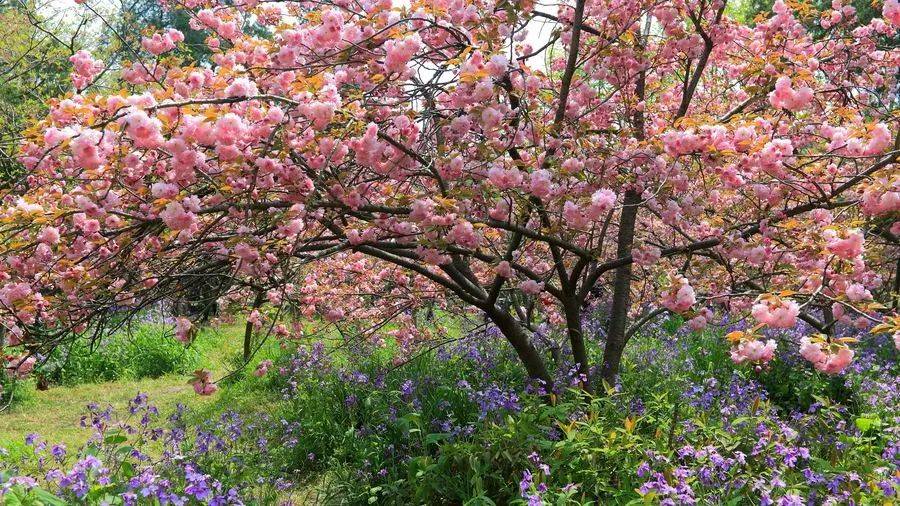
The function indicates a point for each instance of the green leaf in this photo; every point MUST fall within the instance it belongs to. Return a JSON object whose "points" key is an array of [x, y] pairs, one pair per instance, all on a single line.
{"points": [[115, 438], [124, 450], [12, 498], [866, 423], [435, 438], [48, 498]]}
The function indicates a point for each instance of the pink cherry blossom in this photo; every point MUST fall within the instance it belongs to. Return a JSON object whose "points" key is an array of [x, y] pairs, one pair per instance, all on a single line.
{"points": [[255, 319], [49, 235], [574, 216], [241, 87], [421, 210], [205, 388], [432, 256], [531, 287], [229, 129], [320, 113], [505, 179], [697, 323], [263, 368], [601, 202], [349, 153], [183, 328], [678, 143], [891, 12], [161, 43], [463, 234], [202, 383], [786, 97], [143, 130], [500, 212], [86, 150], [14, 292], [753, 351], [177, 217], [776, 312], [88, 226], [504, 269], [84, 68], [334, 315], [880, 140], [572, 166], [857, 292], [825, 358], [848, 248], [329, 32], [245, 252], [491, 117], [399, 52], [680, 297], [162, 190], [540, 183], [497, 65], [21, 366], [291, 228], [646, 255]]}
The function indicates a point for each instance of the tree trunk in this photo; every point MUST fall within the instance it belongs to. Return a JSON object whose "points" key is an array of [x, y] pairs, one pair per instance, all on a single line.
{"points": [[896, 302], [828, 319], [248, 329], [616, 333], [529, 356], [576, 339], [616, 338]]}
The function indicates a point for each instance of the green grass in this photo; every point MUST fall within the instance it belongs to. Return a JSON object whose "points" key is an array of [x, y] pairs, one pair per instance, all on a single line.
{"points": [[55, 413]]}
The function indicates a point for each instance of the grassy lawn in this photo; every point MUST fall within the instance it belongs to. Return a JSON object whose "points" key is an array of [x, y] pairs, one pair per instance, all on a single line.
{"points": [[55, 413]]}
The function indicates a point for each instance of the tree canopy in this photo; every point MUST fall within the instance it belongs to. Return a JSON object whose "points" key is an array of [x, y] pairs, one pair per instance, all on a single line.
{"points": [[363, 161]]}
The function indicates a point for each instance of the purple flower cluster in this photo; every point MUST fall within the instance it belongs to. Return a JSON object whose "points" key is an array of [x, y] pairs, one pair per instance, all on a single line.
{"points": [[137, 458]]}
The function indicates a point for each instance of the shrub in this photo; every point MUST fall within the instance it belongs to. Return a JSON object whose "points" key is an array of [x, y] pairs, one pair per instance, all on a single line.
{"points": [[12, 391], [685, 426], [145, 351], [80, 362], [362, 421], [151, 352]]}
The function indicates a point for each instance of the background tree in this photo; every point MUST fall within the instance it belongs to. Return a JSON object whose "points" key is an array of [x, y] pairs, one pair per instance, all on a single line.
{"points": [[816, 11], [137, 18], [33, 68]]}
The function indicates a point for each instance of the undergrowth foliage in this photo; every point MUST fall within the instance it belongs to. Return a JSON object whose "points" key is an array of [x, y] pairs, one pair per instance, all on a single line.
{"points": [[147, 351], [463, 424]]}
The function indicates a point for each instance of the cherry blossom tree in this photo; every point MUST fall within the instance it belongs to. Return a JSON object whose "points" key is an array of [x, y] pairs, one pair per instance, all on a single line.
{"points": [[367, 160]]}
